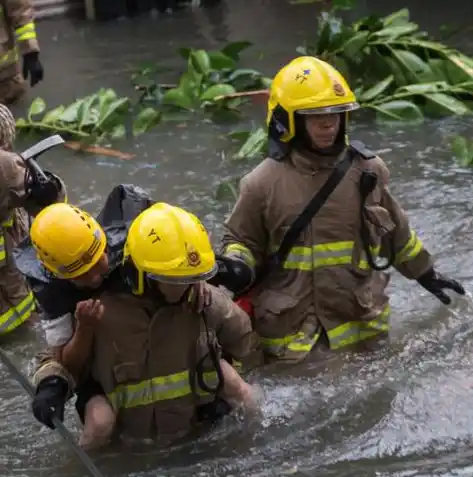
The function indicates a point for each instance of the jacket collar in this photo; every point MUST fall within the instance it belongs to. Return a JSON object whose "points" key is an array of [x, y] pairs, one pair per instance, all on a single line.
{"points": [[309, 162]]}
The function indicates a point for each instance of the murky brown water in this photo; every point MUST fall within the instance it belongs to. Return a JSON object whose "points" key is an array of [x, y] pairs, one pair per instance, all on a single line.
{"points": [[406, 411]]}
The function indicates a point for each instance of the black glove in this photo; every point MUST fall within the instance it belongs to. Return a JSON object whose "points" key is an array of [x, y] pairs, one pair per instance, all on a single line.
{"points": [[233, 274], [44, 193], [435, 283], [50, 400], [213, 411], [33, 68]]}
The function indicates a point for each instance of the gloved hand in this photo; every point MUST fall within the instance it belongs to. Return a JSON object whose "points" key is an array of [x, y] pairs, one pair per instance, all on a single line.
{"points": [[32, 67], [46, 193], [50, 400], [435, 283], [233, 274]]}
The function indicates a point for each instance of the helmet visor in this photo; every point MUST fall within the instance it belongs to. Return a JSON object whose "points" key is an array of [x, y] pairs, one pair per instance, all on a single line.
{"points": [[340, 108], [185, 280]]}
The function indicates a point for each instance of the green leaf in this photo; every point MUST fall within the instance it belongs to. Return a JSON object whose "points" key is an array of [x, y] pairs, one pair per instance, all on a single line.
{"points": [[239, 135], [441, 104], [21, 123], [53, 115], [87, 115], [371, 23], [459, 68], [397, 72], [267, 82], [324, 37], [177, 97], [356, 43], [414, 66], [399, 110], [394, 32], [439, 69], [221, 61], [376, 90], [217, 90], [145, 120], [190, 84], [400, 17], [199, 60], [254, 145], [114, 113], [234, 49], [243, 73], [38, 106], [426, 88], [118, 132], [70, 114], [106, 97]]}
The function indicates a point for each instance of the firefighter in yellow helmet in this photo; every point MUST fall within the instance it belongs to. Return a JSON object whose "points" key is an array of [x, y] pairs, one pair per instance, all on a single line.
{"points": [[315, 275], [157, 356], [20, 195], [70, 260], [19, 39]]}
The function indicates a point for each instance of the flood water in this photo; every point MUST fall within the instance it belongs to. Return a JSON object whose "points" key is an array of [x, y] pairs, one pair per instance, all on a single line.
{"points": [[401, 412]]}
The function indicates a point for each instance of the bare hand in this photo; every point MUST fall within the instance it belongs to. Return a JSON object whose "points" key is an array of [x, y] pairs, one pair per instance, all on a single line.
{"points": [[89, 312], [200, 297]]}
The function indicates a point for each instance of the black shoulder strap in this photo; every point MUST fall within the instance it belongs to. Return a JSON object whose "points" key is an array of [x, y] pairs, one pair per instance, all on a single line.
{"points": [[362, 150], [314, 206]]}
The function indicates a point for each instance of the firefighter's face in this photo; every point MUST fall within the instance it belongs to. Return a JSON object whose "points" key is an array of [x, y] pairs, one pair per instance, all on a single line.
{"points": [[95, 276], [322, 129]]}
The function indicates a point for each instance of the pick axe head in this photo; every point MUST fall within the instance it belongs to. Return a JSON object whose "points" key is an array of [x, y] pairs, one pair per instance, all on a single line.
{"points": [[37, 149]]}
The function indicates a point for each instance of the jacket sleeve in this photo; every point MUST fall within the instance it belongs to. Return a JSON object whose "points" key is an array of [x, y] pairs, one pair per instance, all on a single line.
{"points": [[245, 237], [411, 258], [49, 366], [12, 186], [232, 325], [21, 16]]}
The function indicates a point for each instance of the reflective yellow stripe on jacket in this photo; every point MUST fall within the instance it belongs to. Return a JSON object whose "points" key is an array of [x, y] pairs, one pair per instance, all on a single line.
{"points": [[157, 389], [410, 251], [17, 315], [241, 252], [26, 32], [298, 343], [3, 253], [326, 254], [355, 331], [9, 58], [343, 335]]}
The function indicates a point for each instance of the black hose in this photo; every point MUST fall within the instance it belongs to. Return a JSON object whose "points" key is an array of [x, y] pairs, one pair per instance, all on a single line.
{"points": [[368, 182], [212, 354], [65, 434]]}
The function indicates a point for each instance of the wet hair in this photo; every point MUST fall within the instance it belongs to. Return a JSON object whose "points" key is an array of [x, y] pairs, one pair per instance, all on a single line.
{"points": [[7, 128]]}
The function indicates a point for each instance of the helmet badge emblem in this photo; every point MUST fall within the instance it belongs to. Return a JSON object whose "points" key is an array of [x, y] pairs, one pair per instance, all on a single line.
{"points": [[193, 257], [154, 237], [302, 77], [338, 89]]}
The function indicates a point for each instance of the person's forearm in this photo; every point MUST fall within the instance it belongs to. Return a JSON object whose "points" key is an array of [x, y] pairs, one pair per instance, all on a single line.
{"points": [[235, 390], [75, 353]]}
